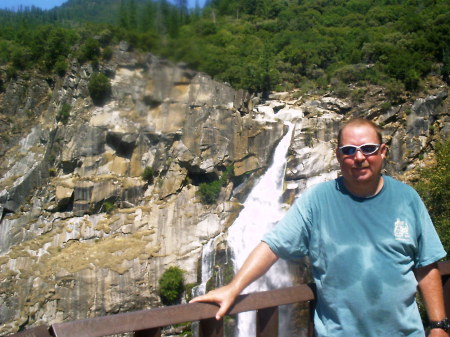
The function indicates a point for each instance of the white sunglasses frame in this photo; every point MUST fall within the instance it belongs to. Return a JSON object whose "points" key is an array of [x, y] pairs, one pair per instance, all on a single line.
{"points": [[378, 146]]}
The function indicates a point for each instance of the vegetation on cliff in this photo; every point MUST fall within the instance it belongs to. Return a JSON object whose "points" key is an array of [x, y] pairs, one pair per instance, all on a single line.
{"points": [[171, 286], [433, 186], [252, 44]]}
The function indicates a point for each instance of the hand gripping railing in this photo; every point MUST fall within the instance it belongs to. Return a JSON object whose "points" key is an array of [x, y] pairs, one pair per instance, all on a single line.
{"points": [[148, 323]]}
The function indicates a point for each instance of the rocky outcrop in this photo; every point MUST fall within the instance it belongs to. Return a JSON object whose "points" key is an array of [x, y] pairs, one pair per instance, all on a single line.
{"points": [[81, 228], [83, 234]]}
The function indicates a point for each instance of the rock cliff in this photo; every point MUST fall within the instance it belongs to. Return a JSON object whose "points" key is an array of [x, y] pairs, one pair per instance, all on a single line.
{"points": [[83, 234]]}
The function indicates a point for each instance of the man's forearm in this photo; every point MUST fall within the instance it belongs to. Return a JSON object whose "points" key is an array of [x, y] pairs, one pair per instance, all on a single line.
{"points": [[256, 265], [430, 287]]}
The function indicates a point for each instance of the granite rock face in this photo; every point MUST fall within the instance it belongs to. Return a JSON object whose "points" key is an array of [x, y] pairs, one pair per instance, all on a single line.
{"points": [[83, 234]]}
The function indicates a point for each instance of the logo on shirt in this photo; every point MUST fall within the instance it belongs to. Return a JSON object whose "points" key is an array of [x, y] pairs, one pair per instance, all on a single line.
{"points": [[401, 231]]}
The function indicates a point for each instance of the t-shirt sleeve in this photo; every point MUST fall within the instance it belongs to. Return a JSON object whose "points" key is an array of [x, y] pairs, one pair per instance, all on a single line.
{"points": [[430, 248], [289, 239]]}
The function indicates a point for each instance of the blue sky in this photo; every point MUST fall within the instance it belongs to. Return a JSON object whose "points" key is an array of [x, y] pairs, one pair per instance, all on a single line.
{"points": [[48, 4]]}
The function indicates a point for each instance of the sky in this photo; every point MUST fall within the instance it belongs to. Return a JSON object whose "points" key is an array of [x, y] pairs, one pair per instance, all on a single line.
{"points": [[48, 4]]}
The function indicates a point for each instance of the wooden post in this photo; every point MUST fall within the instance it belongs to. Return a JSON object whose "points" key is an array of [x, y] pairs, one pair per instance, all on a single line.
{"points": [[40, 331], [267, 322], [211, 328], [156, 332]]}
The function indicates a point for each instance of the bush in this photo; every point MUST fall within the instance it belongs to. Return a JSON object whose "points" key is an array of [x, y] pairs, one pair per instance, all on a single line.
{"points": [[90, 50], [99, 88], [64, 113], [171, 286], [107, 53], [432, 186], [109, 206], [61, 66], [11, 72], [209, 192], [148, 175]]}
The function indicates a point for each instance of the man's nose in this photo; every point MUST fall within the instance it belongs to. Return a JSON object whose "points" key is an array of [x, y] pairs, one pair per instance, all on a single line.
{"points": [[359, 156]]}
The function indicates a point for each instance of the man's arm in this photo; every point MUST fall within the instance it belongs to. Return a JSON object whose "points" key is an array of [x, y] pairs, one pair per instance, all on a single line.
{"points": [[256, 264], [430, 287]]}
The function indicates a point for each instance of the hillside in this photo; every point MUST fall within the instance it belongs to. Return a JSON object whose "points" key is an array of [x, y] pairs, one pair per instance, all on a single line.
{"points": [[252, 44]]}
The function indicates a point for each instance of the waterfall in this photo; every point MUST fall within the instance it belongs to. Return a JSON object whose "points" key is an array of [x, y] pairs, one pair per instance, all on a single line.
{"points": [[208, 262], [262, 210]]}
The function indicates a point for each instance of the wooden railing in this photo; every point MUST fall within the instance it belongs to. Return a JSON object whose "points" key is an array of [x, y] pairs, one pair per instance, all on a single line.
{"points": [[149, 323]]}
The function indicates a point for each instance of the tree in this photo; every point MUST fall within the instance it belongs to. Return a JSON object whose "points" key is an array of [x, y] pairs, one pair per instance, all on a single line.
{"points": [[171, 286], [99, 88], [433, 186]]}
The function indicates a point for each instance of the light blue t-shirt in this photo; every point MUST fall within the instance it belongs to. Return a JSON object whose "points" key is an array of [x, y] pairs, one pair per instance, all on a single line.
{"points": [[363, 252]]}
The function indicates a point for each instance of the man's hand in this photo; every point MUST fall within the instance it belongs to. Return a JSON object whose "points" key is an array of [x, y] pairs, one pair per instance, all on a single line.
{"points": [[223, 296], [437, 333]]}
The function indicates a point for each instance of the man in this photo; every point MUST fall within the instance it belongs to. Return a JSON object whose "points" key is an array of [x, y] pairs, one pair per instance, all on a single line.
{"points": [[370, 242]]}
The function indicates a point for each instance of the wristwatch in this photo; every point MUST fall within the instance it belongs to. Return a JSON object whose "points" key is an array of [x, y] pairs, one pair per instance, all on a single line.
{"points": [[444, 324]]}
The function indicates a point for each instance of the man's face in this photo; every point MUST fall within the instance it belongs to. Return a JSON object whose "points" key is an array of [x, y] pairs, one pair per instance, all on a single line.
{"points": [[360, 169]]}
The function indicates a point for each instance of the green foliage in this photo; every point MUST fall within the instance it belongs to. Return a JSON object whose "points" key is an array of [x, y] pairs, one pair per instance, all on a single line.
{"points": [[188, 291], [433, 187], [171, 286], [61, 66], [357, 95], [64, 113], [11, 72], [258, 45], [109, 206], [209, 192], [90, 50], [99, 88], [148, 175], [227, 175], [107, 53]]}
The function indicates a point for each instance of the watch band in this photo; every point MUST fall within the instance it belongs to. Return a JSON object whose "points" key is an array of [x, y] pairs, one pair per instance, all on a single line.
{"points": [[444, 324]]}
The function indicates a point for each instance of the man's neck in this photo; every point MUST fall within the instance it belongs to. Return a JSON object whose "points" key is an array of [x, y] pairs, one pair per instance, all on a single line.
{"points": [[365, 190]]}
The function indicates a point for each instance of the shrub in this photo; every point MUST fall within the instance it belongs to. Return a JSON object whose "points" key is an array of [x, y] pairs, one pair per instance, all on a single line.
{"points": [[209, 192], [90, 50], [64, 113], [61, 66], [357, 96], [99, 88], [385, 106], [227, 175], [171, 286], [432, 186], [107, 53], [11, 72], [148, 175], [109, 206]]}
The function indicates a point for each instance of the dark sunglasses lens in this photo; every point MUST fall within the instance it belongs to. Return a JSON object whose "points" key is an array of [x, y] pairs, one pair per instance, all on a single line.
{"points": [[348, 150], [369, 149]]}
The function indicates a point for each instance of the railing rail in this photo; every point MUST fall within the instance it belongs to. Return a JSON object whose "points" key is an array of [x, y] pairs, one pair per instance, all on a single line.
{"points": [[148, 323]]}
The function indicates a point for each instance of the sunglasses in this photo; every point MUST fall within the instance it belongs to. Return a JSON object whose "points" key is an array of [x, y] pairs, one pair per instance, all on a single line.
{"points": [[366, 149]]}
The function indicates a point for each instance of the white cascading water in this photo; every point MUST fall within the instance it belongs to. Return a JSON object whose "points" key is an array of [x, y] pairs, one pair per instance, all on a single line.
{"points": [[208, 262], [262, 210]]}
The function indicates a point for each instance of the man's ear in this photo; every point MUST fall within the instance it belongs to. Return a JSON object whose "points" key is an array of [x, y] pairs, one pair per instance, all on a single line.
{"points": [[383, 151], [337, 153]]}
